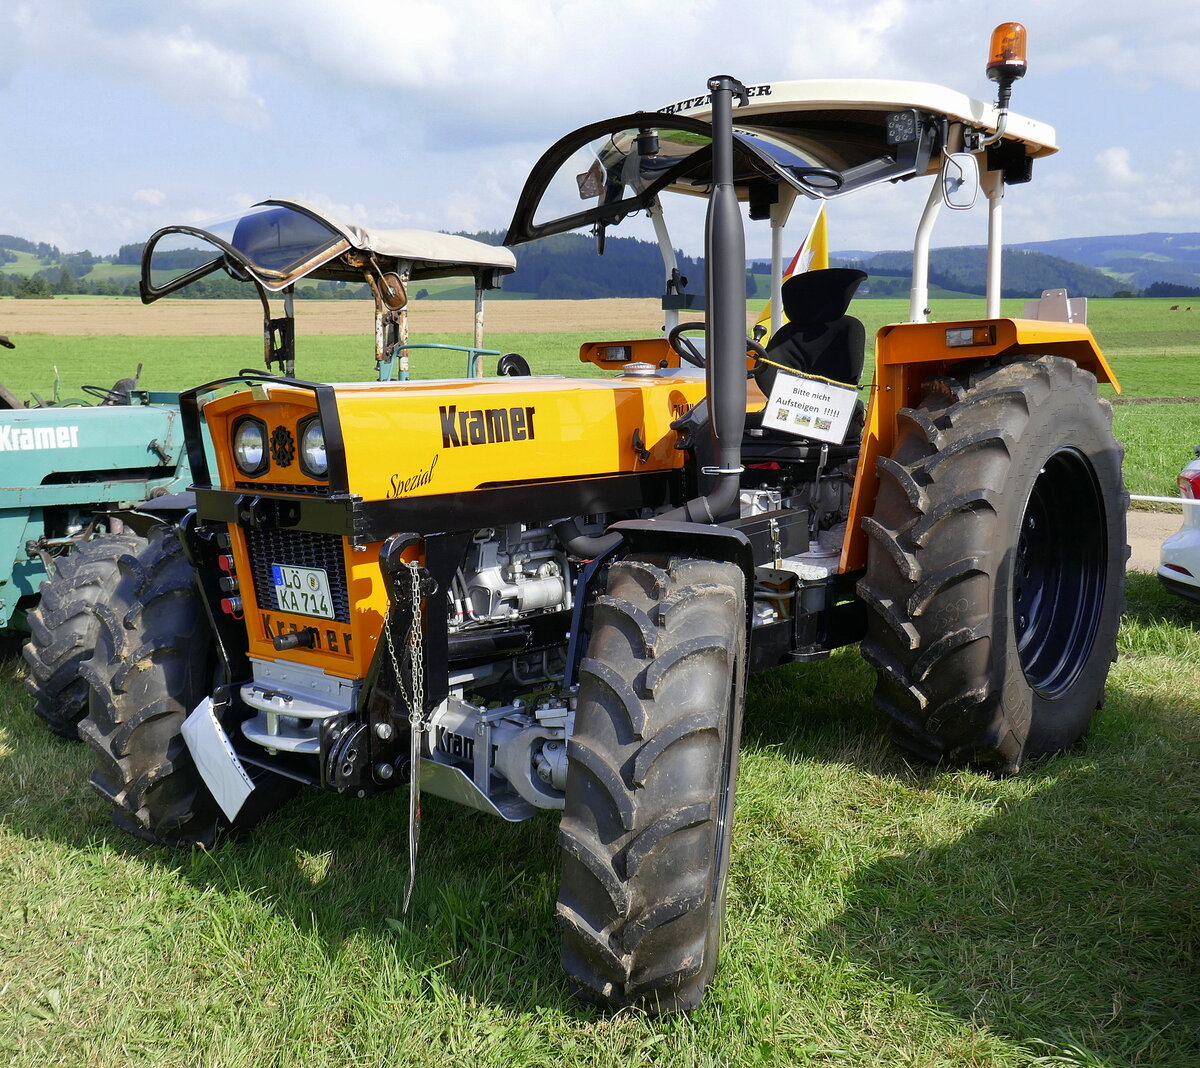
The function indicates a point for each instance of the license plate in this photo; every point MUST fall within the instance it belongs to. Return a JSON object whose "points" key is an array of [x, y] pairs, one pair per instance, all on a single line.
{"points": [[302, 590]]}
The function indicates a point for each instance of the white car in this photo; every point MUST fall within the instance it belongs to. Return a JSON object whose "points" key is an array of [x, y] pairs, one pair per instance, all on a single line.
{"points": [[1179, 563]]}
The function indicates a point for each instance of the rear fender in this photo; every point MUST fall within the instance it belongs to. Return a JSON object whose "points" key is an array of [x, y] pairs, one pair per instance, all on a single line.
{"points": [[907, 354]]}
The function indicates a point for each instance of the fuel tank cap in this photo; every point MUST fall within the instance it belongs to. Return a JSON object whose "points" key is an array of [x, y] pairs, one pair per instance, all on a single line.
{"points": [[639, 370]]}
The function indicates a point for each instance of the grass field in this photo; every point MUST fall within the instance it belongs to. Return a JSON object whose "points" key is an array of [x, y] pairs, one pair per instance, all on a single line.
{"points": [[1155, 352], [880, 914]]}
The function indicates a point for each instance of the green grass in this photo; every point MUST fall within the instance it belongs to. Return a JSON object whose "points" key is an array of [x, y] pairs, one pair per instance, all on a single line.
{"points": [[1155, 353], [180, 362], [879, 914], [25, 263], [114, 272], [1159, 440]]}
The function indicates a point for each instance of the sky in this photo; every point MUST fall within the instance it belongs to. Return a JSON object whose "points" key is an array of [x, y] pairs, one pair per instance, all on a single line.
{"points": [[123, 117]]}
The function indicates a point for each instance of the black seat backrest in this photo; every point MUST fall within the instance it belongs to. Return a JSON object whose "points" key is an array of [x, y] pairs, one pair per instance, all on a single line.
{"points": [[819, 338]]}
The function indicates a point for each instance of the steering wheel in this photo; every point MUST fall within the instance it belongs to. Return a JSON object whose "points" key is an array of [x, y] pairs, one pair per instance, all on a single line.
{"points": [[753, 348], [827, 180], [685, 348], [118, 395]]}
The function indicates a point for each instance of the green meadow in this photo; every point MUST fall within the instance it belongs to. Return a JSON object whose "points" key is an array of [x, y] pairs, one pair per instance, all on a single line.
{"points": [[1154, 352], [880, 913]]}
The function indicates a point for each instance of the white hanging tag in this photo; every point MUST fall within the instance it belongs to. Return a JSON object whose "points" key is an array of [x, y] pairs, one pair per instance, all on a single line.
{"points": [[810, 407]]}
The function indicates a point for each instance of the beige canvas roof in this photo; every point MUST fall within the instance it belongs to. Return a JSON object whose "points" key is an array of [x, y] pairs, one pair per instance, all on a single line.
{"points": [[428, 249]]}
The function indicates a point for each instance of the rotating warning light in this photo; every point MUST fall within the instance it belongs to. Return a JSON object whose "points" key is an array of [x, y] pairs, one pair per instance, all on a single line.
{"points": [[1006, 61]]}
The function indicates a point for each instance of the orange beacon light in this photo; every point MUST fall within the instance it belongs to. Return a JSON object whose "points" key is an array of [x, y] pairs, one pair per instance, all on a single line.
{"points": [[1006, 62]]}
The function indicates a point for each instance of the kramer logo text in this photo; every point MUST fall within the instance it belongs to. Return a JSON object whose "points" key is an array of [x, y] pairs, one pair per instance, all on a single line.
{"points": [[23, 438], [485, 426]]}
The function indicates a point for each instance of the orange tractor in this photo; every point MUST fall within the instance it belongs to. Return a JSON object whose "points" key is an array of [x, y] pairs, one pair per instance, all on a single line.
{"points": [[531, 593]]}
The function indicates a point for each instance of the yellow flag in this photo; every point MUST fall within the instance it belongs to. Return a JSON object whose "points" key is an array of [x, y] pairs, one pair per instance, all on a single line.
{"points": [[812, 255]]}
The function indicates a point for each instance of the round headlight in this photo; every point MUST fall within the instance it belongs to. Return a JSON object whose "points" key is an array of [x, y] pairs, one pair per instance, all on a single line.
{"points": [[250, 447], [312, 450]]}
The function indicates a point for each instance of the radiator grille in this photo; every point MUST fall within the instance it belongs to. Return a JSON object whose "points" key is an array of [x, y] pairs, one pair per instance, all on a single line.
{"points": [[300, 548], [284, 487]]}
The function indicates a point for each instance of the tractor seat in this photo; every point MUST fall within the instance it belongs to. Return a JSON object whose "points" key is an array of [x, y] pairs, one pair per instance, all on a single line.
{"points": [[819, 338], [767, 449]]}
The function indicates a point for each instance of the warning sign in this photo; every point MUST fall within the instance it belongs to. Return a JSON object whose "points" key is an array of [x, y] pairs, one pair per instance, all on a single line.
{"points": [[810, 407]]}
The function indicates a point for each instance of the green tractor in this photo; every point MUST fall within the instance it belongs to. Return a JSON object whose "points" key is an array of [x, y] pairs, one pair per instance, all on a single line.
{"points": [[73, 474]]}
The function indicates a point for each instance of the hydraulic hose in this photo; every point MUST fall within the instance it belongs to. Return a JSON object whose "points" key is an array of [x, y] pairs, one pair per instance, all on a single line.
{"points": [[585, 546]]}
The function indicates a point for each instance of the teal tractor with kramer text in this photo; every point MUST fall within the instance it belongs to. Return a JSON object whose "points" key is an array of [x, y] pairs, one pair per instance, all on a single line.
{"points": [[80, 485]]}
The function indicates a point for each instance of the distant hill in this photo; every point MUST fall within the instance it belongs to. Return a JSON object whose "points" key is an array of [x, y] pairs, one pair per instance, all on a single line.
{"points": [[567, 267], [1025, 273], [1132, 262], [563, 267], [1136, 260]]}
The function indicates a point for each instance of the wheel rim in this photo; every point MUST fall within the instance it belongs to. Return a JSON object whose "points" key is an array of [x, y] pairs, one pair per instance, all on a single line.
{"points": [[1059, 573]]}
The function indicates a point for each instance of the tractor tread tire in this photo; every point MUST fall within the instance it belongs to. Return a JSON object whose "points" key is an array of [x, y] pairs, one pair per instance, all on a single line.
{"points": [[940, 579], [63, 628], [152, 666], [652, 760]]}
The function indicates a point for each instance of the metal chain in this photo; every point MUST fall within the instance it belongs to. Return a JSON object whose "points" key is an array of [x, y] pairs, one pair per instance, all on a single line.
{"points": [[416, 717], [415, 703]]}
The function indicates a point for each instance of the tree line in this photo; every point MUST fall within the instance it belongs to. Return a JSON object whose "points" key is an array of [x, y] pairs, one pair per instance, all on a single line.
{"points": [[566, 267], [1025, 273]]}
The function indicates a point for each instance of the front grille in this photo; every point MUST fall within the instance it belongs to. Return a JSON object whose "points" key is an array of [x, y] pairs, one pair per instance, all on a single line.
{"points": [[299, 548], [282, 487]]}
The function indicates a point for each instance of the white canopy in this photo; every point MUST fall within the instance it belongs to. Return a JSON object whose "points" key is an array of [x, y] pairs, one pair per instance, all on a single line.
{"points": [[771, 102], [430, 252]]}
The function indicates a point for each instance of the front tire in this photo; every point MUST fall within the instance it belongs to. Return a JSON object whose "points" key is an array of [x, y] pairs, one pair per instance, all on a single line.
{"points": [[154, 662], [649, 798], [996, 562], [64, 628]]}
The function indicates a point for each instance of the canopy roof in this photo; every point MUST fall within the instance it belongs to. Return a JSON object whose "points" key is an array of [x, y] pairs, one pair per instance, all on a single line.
{"points": [[278, 242], [822, 139], [823, 104], [430, 251]]}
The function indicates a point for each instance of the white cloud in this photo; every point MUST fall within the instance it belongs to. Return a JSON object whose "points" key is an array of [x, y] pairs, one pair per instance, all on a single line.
{"points": [[424, 113], [176, 63], [1149, 42], [1115, 165]]}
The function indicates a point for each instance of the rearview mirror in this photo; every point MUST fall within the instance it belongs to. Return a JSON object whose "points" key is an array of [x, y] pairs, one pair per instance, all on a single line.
{"points": [[960, 180]]}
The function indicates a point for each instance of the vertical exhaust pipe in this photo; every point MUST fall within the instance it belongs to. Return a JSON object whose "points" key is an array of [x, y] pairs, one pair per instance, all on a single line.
{"points": [[725, 328], [724, 333]]}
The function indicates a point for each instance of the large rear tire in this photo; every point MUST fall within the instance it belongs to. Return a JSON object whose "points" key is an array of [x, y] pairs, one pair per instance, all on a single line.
{"points": [[996, 564], [649, 798], [154, 662], [63, 628]]}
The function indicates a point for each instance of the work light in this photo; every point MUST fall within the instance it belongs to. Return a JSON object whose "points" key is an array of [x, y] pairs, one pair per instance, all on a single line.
{"points": [[250, 445], [313, 459]]}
